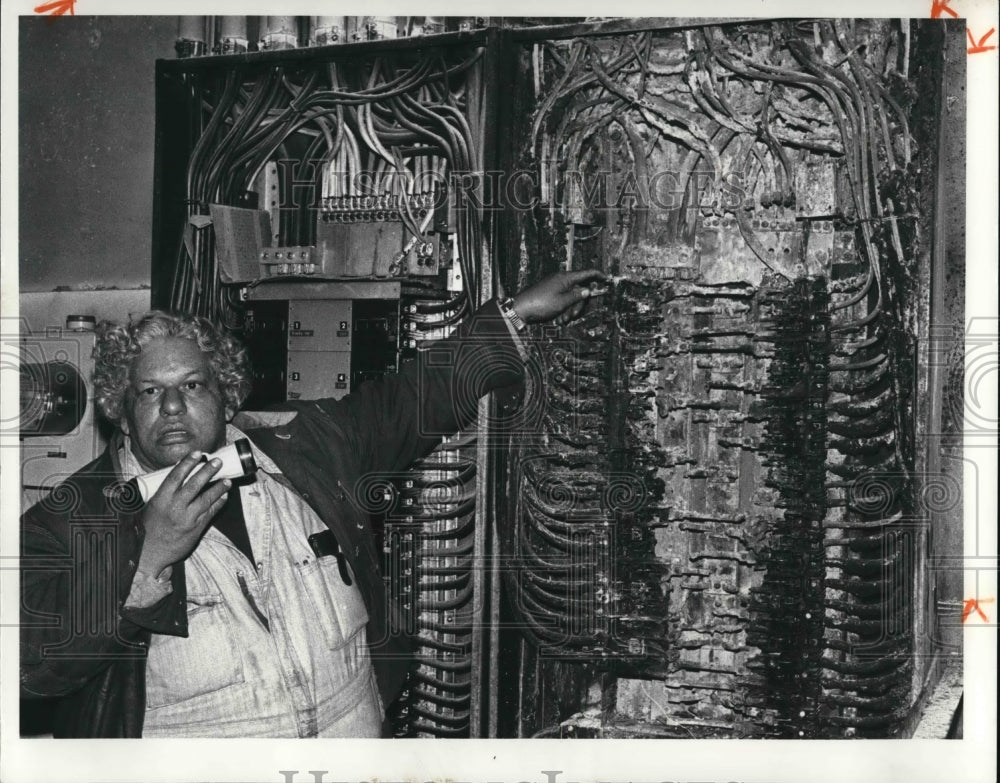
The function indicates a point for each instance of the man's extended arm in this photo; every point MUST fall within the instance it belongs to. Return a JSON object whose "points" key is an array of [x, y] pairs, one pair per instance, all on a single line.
{"points": [[395, 420]]}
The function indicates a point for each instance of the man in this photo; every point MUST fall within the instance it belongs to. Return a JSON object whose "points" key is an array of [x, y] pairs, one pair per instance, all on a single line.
{"points": [[250, 610]]}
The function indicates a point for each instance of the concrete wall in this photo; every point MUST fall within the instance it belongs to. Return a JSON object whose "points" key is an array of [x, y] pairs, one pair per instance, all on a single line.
{"points": [[86, 149]]}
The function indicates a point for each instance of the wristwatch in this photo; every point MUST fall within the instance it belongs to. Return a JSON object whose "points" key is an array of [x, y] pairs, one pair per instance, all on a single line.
{"points": [[507, 308]]}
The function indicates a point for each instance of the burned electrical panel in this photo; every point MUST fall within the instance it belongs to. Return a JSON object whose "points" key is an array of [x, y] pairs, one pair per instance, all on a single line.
{"points": [[752, 192]]}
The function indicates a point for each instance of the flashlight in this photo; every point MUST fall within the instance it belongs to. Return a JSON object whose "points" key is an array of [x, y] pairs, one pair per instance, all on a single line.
{"points": [[237, 462]]}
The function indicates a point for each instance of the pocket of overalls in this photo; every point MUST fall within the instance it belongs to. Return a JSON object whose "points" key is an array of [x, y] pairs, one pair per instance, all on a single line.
{"points": [[208, 660], [339, 609]]}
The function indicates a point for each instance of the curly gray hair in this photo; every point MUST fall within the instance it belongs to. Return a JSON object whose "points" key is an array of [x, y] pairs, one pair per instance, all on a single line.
{"points": [[119, 344]]}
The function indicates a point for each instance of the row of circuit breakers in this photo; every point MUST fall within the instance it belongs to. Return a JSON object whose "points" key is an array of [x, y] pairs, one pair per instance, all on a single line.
{"points": [[313, 348]]}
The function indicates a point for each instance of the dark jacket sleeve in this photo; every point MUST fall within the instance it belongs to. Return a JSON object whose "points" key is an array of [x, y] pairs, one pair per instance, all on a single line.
{"points": [[393, 421], [79, 550]]}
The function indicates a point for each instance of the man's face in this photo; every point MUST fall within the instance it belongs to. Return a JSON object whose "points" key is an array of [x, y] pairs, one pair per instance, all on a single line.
{"points": [[173, 404]]}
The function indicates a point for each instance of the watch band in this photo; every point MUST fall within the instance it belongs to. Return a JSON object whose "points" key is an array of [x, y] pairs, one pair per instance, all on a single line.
{"points": [[508, 311]]}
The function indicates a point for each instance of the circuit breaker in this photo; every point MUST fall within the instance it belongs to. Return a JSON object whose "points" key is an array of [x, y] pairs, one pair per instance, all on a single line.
{"points": [[304, 349]]}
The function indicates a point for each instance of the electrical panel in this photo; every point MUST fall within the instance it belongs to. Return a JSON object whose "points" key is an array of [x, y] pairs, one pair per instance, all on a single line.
{"points": [[332, 219], [312, 348], [717, 533], [713, 525], [315, 375]]}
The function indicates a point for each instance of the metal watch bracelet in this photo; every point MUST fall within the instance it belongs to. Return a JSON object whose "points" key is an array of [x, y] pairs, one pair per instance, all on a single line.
{"points": [[507, 308]]}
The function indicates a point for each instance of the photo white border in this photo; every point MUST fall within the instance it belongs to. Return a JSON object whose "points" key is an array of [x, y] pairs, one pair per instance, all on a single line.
{"points": [[510, 761]]}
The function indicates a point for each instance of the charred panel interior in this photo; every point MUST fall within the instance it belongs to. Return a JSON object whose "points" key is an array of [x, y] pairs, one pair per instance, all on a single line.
{"points": [[721, 529]]}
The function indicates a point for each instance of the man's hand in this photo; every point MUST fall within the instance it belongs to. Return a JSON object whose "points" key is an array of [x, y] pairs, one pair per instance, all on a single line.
{"points": [[177, 515], [561, 296]]}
